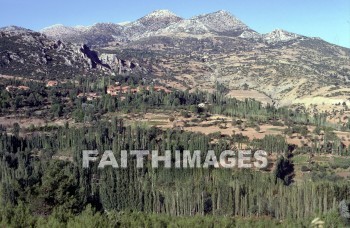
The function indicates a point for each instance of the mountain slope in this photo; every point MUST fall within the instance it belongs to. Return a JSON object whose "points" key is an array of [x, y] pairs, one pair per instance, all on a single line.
{"points": [[288, 69], [201, 51], [31, 54]]}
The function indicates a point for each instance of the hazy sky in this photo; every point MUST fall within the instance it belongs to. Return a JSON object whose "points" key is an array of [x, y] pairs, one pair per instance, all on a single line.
{"points": [[328, 19]]}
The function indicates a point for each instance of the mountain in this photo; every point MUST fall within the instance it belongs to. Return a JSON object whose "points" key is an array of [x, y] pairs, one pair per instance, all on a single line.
{"points": [[154, 24], [204, 50]]}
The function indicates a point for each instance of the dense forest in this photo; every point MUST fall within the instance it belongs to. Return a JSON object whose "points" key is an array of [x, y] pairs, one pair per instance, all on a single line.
{"points": [[31, 178]]}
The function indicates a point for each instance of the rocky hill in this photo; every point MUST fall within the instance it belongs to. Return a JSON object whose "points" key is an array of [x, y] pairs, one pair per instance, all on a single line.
{"points": [[31, 54]]}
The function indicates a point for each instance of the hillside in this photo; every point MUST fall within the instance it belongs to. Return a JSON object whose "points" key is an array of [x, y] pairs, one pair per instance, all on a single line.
{"points": [[34, 55], [198, 52], [286, 67]]}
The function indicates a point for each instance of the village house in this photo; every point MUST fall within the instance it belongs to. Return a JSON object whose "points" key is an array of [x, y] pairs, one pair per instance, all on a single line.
{"points": [[51, 83], [115, 90], [89, 96]]}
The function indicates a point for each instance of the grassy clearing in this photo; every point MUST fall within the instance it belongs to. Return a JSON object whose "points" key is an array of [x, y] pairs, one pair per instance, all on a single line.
{"points": [[300, 159]]}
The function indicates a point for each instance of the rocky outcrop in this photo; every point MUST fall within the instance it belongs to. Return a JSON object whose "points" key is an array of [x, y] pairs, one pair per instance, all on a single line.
{"points": [[251, 35], [119, 66], [280, 35], [92, 57]]}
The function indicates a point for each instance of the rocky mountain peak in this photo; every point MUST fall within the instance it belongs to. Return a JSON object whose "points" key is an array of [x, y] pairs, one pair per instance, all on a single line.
{"points": [[278, 35], [221, 21], [161, 17], [222, 13], [150, 23], [161, 13]]}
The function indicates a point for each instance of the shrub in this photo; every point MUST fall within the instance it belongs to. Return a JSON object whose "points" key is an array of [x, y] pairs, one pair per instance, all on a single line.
{"points": [[305, 169]]}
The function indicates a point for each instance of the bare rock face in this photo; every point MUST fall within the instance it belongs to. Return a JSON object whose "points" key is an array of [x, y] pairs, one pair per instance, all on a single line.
{"points": [[119, 65], [92, 58], [111, 60]]}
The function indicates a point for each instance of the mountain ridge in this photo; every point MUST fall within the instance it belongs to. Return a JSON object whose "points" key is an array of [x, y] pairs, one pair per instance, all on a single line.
{"points": [[160, 22]]}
